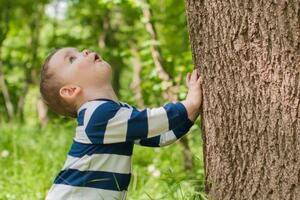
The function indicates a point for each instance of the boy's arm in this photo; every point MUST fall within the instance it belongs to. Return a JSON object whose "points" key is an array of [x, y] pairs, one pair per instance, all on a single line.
{"points": [[112, 123], [194, 97], [168, 137]]}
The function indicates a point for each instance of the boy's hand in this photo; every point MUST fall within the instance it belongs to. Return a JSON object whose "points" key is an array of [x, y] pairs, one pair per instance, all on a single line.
{"points": [[194, 83], [193, 101]]}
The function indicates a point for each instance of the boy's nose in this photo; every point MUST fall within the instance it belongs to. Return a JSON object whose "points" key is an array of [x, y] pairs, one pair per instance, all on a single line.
{"points": [[86, 52]]}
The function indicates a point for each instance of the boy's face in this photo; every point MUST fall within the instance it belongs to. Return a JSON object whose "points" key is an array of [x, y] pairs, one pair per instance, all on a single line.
{"points": [[85, 69]]}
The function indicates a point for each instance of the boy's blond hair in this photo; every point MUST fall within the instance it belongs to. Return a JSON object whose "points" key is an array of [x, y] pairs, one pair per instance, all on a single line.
{"points": [[49, 89]]}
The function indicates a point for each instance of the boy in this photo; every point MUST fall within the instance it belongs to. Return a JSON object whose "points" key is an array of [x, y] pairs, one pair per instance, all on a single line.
{"points": [[78, 84]]}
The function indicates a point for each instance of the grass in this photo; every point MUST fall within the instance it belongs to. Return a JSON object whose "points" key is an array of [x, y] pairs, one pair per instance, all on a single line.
{"points": [[31, 157]]}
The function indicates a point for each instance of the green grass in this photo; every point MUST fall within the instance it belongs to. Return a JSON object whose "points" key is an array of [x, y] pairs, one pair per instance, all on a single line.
{"points": [[35, 156]]}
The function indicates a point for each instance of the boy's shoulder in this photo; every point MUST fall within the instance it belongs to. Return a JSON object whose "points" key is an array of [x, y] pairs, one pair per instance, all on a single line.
{"points": [[103, 105], [95, 115]]}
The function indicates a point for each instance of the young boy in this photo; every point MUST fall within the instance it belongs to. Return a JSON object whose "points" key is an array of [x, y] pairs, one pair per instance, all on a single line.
{"points": [[98, 166]]}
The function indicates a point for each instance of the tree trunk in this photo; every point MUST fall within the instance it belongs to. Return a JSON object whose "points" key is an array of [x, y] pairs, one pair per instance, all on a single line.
{"points": [[249, 56], [4, 27], [155, 52], [42, 110], [33, 45], [107, 38], [5, 93], [136, 79]]}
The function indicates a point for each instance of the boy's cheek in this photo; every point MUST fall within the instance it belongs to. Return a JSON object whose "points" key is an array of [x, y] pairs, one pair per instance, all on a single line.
{"points": [[83, 65]]}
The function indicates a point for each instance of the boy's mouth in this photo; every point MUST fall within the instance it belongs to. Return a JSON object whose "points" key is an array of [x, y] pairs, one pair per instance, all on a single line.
{"points": [[97, 58]]}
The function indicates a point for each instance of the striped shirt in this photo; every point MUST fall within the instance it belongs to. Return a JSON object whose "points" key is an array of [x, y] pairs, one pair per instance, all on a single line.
{"points": [[98, 164]]}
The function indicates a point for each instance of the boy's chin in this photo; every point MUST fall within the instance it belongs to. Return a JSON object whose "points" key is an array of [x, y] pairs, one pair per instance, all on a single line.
{"points": [[103, 64]]}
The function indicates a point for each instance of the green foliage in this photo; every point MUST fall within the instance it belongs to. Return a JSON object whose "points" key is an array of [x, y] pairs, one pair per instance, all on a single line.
{"points": [[81, 26]]}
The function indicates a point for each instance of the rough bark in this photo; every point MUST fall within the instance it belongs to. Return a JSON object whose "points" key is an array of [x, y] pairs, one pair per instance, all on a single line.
{"points": [[249, 55]]}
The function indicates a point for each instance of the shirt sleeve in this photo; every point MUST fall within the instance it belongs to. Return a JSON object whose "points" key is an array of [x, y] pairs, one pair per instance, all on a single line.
{"points": [[112, 123], [168, 137]]}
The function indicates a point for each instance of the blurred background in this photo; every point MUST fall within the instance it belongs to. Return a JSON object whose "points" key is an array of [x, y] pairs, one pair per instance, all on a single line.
{"points": [[146, 42]]}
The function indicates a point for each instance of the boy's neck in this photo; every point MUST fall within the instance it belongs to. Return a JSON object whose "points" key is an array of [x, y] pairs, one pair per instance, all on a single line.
{"points": [[106, 92]]}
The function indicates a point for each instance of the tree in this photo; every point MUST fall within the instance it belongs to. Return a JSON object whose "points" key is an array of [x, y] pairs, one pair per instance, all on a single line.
{"points": [[248, 53], [3, 33]]}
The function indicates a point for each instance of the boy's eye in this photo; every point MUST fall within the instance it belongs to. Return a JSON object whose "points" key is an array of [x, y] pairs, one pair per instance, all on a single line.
{"points": [[71, 59]]}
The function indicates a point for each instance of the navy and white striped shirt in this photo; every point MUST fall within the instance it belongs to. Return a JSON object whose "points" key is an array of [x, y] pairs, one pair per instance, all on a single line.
{"points": [[98, 165]]}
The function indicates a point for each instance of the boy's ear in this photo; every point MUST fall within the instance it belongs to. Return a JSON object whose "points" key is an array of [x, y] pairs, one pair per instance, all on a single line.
{"points": [[69, 92]]}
